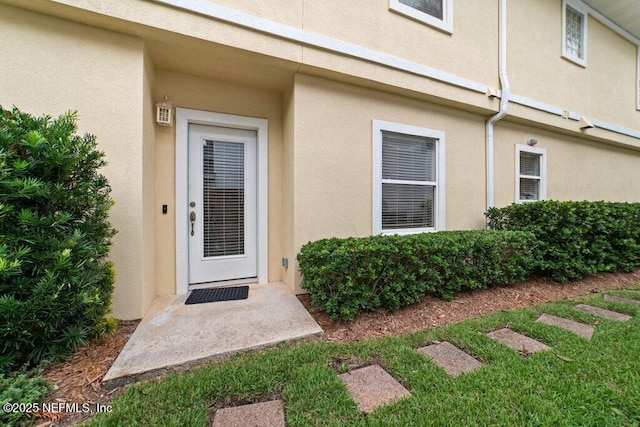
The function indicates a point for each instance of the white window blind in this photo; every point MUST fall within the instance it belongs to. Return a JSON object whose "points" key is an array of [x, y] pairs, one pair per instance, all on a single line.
{"points": [[430, 7], [408, 181], [223, 198]]}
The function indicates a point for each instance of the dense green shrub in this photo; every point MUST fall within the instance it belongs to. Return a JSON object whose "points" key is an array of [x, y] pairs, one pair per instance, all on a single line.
{"points": [[55, 281], [576, 238], [20, 388], [347, 276]]}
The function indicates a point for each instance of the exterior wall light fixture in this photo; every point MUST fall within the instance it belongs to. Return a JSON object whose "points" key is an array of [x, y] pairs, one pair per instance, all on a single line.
{"points": [[164, 112], [531, 142]]}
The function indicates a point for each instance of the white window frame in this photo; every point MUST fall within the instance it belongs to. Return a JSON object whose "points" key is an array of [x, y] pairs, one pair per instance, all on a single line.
{"points": [[439, 197], [638, 78], [444, 24], [579, 8], [543, 172]]}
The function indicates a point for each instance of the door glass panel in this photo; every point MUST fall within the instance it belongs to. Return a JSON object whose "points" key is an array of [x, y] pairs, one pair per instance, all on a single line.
{"points": [[223, 198]]}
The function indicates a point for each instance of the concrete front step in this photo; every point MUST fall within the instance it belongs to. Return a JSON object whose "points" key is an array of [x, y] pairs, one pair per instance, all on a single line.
{"points": [[518, 342], [582, 329], [608, 314], [614, 298], [450, 358], [174, 335], [372, 386]]}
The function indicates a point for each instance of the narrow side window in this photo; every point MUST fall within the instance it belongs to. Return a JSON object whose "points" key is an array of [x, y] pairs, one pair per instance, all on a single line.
{"points": [[531, 171], [574, 33]]}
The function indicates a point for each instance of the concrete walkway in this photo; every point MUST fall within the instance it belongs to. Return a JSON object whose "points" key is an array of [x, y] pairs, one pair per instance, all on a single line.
{"points": [[174, 334]]}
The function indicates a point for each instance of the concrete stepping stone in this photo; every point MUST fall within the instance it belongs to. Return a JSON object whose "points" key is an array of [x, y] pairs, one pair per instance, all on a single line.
{"points": [[372, 386], [582, 329], [518, 342], [450, 358], [613, 315], [621, 299], [264, 414]]}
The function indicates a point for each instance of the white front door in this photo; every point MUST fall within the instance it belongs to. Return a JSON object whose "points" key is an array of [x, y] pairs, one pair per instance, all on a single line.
{"points": [[222, 204]]}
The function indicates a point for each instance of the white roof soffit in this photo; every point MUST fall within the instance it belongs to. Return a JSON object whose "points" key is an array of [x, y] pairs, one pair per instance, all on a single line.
{"points": [[624, 13]]}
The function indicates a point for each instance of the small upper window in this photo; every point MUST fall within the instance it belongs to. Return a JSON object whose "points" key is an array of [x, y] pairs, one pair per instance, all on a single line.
{"points": [[531, 173], [574, 44], [436, 13]]}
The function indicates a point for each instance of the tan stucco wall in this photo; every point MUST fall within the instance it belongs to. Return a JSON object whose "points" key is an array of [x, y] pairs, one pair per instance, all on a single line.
{"points": [[605, 89], [333, 157], [470, 52], [288, 12], [222, 97], [50, 66], [577, 169]]}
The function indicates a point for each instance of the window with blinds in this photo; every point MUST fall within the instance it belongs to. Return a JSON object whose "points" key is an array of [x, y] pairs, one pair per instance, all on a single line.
{"points": [[223, 198], [408, 181], [435, 13], [575, 33], [530, 179]]}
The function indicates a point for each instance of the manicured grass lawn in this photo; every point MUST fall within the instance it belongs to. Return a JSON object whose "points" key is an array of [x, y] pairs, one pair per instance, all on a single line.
{"points": [[599, 386]]}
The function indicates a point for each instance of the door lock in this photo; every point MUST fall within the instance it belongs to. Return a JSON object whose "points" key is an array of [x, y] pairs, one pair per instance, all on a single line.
{"points": [[192, 217]]}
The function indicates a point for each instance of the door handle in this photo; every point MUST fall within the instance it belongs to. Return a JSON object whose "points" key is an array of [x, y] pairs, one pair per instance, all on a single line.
{"points": [[192, 217]]}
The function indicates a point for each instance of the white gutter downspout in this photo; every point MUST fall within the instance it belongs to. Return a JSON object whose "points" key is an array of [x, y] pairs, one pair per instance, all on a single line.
{"points": [[504, 100]]}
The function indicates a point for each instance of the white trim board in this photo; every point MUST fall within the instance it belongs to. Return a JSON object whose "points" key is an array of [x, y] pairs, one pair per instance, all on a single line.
{"points": [[184, 117], [521, 100]]}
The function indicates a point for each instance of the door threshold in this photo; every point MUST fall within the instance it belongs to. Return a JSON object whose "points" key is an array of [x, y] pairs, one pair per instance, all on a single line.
{"points": [[223, 283]]}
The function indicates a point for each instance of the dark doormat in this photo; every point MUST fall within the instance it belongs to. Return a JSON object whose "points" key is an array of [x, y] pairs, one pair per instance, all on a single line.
{"points": [[200, 296]]}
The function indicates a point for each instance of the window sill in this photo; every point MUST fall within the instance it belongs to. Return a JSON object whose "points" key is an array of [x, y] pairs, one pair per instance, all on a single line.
{"points": [[529, 200], [406, 232], [445, 26], [577, 61]]}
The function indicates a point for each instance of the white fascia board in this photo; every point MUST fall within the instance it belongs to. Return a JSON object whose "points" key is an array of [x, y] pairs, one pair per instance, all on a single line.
{"points": [[222, 13]]}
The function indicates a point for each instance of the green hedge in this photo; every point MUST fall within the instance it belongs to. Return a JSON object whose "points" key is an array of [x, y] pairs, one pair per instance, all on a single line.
{"points": [[55, 280], [347, 276], [577, 238]]}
